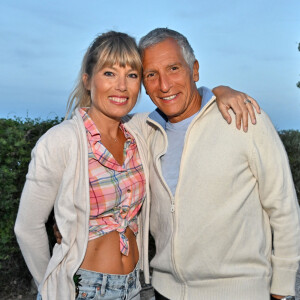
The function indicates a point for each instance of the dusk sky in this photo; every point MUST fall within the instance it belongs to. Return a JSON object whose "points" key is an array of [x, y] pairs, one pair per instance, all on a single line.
{"points": [[249, 45]]}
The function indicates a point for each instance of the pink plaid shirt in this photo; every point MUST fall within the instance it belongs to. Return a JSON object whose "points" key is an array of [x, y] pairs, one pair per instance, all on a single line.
{"points": [[116, 192]]}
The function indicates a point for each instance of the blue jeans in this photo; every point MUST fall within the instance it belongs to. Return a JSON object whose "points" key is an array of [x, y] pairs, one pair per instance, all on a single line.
{"points": [[297, 287], [94, 285]]}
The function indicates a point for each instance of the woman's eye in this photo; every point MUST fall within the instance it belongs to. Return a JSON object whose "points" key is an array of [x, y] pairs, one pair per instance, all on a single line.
{"points": [[133, 75], [107, 73]]}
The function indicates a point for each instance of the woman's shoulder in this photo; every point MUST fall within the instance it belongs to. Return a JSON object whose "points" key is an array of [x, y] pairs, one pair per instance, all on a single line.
{"points": [[63, 130], [62, 135]]}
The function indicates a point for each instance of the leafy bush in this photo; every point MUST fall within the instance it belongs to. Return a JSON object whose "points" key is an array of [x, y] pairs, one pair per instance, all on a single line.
{"points": [[17, 138], [291, 141]]}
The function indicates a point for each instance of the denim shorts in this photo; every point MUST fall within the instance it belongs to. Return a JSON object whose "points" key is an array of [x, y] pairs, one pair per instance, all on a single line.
{"points": [[94, 285]]}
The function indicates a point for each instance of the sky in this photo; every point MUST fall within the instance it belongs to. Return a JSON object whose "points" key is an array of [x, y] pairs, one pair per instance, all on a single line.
{"points": [[251, 46]]}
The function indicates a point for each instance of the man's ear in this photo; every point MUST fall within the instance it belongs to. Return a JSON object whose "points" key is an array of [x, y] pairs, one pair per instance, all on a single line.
{"points": [[196, 71], [86, 82]]}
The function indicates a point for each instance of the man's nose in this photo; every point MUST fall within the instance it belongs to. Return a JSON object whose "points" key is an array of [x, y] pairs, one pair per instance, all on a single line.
{"points": [[164, 83]]}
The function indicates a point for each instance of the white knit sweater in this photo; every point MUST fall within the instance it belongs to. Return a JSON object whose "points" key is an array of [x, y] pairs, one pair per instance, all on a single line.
{"points": [[214, 237]]}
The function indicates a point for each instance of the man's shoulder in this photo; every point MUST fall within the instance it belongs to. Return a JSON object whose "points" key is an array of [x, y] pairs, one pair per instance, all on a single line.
{"points": [[136, 121], [263, 124], [263, 121], [136, 117]]}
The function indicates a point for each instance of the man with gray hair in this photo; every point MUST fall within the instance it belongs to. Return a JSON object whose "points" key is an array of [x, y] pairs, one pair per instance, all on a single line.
{"points": [[224, 212]]}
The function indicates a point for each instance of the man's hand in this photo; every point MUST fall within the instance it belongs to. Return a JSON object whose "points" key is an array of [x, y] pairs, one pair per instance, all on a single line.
{"points": [[57, 233], [239, 102]]}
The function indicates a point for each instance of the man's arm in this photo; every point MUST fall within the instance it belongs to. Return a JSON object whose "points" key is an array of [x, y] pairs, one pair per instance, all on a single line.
{"points": [[270, 166], [239, 102]]}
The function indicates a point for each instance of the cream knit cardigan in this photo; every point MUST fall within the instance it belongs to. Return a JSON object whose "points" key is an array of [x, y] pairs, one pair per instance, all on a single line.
{"points": [[214, 236], [58, 177]]}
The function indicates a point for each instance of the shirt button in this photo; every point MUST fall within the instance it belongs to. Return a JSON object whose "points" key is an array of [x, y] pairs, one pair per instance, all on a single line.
{"points": [[129, 191]]}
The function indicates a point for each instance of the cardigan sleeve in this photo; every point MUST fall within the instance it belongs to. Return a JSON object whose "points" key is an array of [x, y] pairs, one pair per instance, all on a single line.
{"points": [[48, 160], [278, 198]]}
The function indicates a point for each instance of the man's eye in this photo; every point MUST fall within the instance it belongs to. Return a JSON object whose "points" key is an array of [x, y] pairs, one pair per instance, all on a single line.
{"points": [[149, 75], [174, 68], [107, 73]]}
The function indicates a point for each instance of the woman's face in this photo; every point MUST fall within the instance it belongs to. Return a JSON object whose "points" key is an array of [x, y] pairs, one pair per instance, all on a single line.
{"points": [[114, 91]]}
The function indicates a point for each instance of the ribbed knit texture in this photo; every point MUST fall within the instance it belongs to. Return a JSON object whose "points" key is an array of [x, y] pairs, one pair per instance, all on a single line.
{"points": [[233, 189]]}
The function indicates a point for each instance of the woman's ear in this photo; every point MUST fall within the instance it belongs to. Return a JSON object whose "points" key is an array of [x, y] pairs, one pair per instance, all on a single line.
{"points": [[86, 82]]}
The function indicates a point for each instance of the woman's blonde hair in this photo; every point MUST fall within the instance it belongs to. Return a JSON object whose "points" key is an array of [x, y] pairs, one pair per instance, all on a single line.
{"points": [[107, 49]]}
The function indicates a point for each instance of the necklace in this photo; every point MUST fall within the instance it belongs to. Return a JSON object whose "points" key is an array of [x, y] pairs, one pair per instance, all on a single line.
{"points": [[115, 140]]}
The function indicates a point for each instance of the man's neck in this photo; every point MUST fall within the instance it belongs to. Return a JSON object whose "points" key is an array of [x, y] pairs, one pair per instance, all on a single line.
{"points": [[193, 107]]}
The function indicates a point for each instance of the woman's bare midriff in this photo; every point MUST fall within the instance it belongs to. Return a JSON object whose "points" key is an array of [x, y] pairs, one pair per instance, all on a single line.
{"points": [[103, 254]]}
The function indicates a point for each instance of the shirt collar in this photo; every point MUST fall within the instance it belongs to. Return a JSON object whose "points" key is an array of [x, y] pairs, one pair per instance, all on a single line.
{"points": [[159, 117], [93, 130]]}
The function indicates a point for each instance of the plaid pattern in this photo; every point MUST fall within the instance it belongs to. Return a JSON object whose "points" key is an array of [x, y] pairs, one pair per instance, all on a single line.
{"points": [[116, 192]]}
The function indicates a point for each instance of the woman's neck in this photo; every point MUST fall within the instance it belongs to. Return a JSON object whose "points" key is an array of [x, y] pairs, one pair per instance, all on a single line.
{"points": [[106, 125]]}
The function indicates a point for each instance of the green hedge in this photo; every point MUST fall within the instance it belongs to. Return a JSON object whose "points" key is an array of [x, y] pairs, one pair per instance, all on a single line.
{"points": [[291, 141], [17, 138]]}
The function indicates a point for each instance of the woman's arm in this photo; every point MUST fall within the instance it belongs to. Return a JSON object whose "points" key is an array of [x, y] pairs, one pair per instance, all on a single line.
{"points": [[37, 200], [240, 103]]}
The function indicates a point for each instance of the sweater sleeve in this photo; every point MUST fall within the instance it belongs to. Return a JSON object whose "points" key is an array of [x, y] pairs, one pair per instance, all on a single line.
{"points": [[278, 198], [37, 200]]}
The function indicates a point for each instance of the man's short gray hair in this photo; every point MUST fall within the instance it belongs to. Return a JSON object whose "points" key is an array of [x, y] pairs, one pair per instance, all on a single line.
{"points": [[158, 35]]}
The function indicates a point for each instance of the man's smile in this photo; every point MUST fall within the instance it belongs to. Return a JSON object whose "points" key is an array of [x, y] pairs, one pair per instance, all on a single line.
{"points": [[168, 98]]}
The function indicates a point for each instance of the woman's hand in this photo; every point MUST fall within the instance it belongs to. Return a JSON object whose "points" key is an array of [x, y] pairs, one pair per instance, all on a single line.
{"points": [[277, 297], [57, 234], [239, 102]]}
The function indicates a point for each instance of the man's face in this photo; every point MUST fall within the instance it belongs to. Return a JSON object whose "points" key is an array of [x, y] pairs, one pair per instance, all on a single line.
{"points": [[169, 81]]}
